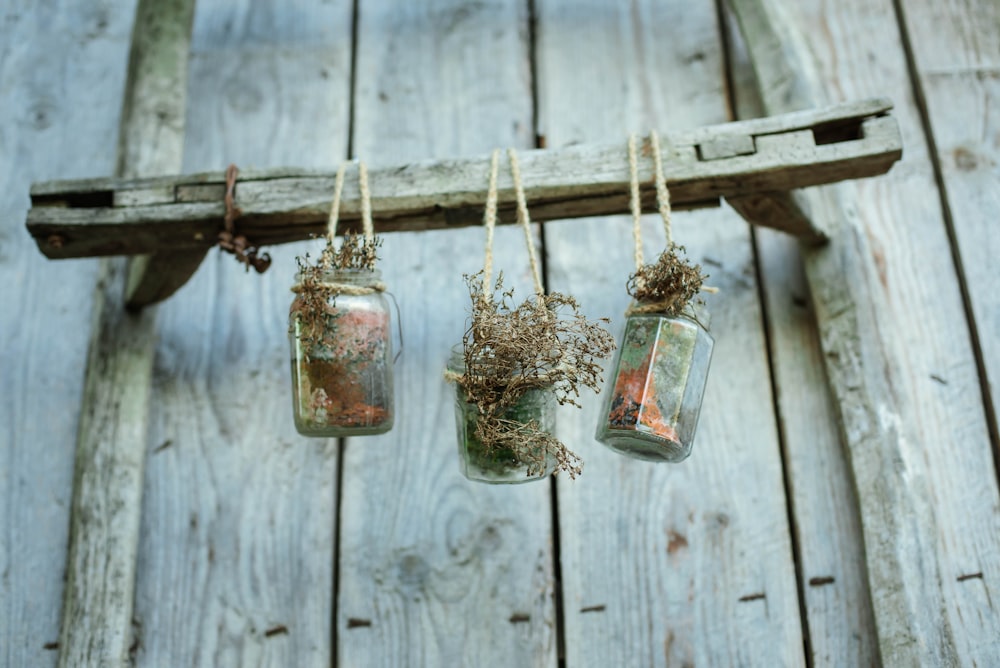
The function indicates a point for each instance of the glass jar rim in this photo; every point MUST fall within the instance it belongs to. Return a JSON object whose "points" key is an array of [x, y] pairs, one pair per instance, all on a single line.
{"points": [[351, 276]]}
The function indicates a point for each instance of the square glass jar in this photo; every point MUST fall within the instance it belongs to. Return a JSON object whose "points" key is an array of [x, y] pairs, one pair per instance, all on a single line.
{"points": [[658, 379]]}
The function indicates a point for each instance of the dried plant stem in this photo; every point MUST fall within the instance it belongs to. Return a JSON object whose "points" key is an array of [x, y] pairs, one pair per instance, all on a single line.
{"points": [[544, 343]]}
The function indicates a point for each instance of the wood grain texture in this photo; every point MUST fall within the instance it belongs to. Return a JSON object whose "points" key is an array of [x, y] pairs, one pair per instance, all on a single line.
{"points": [[823, 146], [827, 528], [236, 552], [436, 570], [890, 318], [60, 63], [956, 49], [111, 445], [687, 564]]}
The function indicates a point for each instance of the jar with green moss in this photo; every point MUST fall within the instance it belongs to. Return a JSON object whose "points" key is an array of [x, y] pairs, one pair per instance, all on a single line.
{"points": [[658, 379], [341, 356], [501, 465]]}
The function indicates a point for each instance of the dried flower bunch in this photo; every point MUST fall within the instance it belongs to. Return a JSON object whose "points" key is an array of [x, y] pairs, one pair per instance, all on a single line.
{"points": [[545, 342], [669, 284], [318, 294]]}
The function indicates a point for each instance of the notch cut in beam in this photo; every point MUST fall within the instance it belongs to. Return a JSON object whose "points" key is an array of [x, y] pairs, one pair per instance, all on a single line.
{"points": [[124, 217]]}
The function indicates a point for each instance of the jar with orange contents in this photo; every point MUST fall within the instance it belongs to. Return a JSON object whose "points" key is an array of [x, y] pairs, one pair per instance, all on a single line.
{"points": [[659, 375], [341, 358]]}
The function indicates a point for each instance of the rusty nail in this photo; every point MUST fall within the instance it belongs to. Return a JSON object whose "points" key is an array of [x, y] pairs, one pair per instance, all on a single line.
{"points": [[56, 240]]}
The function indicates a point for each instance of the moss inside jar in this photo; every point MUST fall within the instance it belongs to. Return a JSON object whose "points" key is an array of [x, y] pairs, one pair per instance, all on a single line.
{"points": [[533, 410], [341, 356]]}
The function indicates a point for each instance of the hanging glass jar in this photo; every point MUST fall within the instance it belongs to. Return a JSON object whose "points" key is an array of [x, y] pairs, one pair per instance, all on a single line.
{"points": [[651, 409], [500, 465], [342, 356], [659, 375]]}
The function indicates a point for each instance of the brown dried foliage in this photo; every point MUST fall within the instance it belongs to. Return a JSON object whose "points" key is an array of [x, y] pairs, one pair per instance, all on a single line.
{"points": [[316, 294], [508, 351], [671, 282]]}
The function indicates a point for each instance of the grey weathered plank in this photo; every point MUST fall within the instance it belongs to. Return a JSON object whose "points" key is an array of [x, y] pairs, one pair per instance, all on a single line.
{"points": [[663, 565], [891, 324], [56, 59], [77, 219], [956, 49], [236, 553], [830, 547], [710, 142], [111, 445], [436, 570]]}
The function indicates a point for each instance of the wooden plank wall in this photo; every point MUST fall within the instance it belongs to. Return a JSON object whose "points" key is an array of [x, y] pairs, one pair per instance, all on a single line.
{"points": [[933, 533], [433, 567], [237, 546], [822, 501], [263, 548], [823, 505], [945, 459], [955, 52], [666, 565], [62, 70]]}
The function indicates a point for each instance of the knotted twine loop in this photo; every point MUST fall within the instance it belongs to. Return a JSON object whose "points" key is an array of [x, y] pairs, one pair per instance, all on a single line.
{"points": [[635, 205], [368, 229], [238, 244], [489, 222], [668, 305]]}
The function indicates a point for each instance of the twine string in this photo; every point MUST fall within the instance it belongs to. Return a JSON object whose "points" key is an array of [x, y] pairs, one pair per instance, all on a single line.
{"points": [[635, 203], [525, 221], [490, 221], [663, 205], [338, 189], [340, 288], [366, 202], [662, 193]]}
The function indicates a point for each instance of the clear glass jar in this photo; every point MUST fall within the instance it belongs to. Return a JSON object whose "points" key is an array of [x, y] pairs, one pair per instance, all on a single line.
{"points": [[501, 465], [654, 396], [342, 371]]}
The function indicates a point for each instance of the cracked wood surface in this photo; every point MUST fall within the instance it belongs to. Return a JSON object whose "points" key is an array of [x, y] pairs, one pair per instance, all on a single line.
{"points": [[690, 564], [109, 217], [436, 570], [97, 614], [237, 555], [889, 312]]}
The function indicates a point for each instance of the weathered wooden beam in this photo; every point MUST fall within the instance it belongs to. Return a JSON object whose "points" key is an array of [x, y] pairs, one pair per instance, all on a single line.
{"points": [[111, 445], [887, 460], [124, 217]]}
